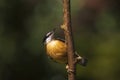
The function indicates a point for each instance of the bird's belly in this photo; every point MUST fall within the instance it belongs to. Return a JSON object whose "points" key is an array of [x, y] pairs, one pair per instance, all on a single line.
{"points": [[57, 51]]}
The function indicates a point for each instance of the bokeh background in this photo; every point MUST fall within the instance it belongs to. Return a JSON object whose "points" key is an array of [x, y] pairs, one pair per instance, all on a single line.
{"points": [[23, 24]]}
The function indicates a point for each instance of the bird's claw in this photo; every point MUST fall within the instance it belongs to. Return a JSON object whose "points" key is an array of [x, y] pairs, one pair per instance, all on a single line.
{"points": [[69, 70]]}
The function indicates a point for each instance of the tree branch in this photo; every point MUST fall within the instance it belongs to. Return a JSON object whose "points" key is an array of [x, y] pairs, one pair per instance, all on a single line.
{"points": [[69, 39]]}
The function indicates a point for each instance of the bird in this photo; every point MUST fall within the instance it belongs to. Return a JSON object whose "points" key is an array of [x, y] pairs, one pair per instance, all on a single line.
{"points": [[56, 49]]}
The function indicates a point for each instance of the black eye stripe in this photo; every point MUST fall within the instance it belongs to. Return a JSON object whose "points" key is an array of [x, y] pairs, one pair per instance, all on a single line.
{"points": [[46, 36], [44, 39]]}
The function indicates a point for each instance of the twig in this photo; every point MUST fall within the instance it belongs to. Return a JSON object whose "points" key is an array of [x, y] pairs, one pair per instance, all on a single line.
{"points": [[69, 39]]}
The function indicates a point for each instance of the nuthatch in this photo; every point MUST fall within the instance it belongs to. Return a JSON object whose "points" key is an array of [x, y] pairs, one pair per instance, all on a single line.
{"points": [[57, 49]]}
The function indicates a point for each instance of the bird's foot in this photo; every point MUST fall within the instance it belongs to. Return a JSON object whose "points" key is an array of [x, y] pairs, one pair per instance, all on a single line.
{"points": [[69, 70]]}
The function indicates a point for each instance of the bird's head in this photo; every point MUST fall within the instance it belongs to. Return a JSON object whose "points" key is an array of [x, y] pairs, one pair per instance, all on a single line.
{"points": [[49, 36]]}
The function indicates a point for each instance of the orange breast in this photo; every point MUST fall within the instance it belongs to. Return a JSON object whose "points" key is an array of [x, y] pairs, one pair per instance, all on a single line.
{"points": [[57, 50]]}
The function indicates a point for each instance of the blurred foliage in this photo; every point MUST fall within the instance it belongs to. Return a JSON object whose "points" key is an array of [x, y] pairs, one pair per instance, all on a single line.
{"points": [[23, 24]]}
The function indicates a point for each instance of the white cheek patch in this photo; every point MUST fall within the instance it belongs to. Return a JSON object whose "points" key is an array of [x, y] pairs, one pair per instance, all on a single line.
{"points": [[48, 39]]}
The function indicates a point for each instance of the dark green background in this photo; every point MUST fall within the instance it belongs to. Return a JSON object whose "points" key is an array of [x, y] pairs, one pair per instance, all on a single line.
{"points": [[23, 24]]}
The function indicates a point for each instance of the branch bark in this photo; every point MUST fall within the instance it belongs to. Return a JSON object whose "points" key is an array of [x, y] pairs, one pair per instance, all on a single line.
{"points": [[69, 39]]}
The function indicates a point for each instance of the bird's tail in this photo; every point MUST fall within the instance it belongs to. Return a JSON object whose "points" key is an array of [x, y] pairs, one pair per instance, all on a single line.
{"points": [[81, 60]]}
